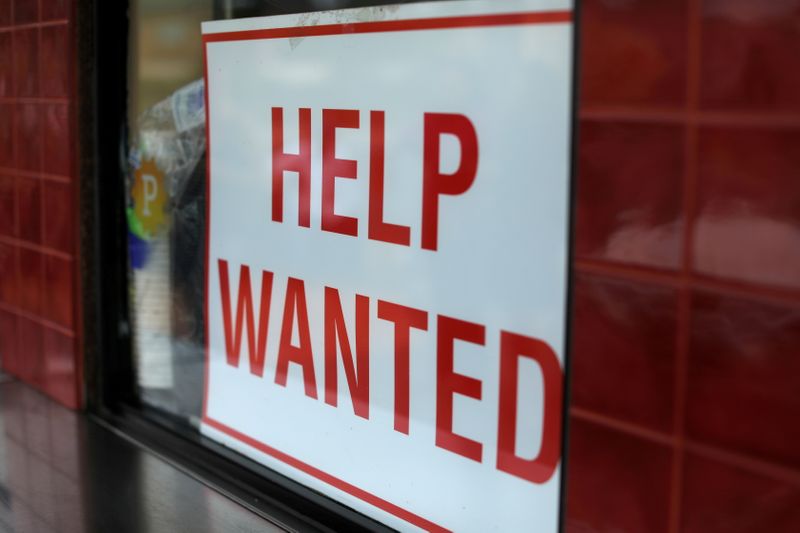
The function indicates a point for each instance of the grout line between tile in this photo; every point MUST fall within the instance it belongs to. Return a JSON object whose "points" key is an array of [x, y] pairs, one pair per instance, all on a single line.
{"points": [[749, 464], [33, 100], [682, 344], [679, 117], [33, 317], [55, 178], [735, 288], [5, 171], [683, 337], [44, 250], [622, 426], [32, 25], [73, 138], [626, 271], [42, 214], [708, 451]]}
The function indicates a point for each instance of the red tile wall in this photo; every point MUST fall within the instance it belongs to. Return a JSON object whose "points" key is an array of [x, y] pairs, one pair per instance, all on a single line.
{"points": [[38, 197], [685, 413]]}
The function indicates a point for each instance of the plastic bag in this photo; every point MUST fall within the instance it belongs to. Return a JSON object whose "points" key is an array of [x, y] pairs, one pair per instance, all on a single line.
{"points": [[166, 222]]}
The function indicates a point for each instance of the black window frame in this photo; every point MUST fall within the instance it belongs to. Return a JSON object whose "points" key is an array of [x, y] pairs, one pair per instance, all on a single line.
{"points": [[110, 388]]}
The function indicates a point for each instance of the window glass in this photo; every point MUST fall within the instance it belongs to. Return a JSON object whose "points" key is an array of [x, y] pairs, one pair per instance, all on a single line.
{"points": [[165, 202], [428, 99], [166, 191]]}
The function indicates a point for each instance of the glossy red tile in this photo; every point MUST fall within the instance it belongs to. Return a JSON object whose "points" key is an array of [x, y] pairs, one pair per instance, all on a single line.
{"points": [[8, 342], [9, 277], [749, 60], [31, 272], [58, 293], [55, 9], [27, 125], [623, 350], [26, 62], [26, 11], [29, 209], [748, 201], [59, 215], [36, 62], [7, 136], [57, 140], [5, 13], [629, 193], [742, 381], [8, 206], [6, 68], [615, 482], [633, 53], [720, 498], [54, 69], [29, 346], [61, 380]]}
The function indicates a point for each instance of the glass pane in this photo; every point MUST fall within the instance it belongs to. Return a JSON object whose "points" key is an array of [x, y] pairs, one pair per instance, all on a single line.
{"points": [[166, 190], [421, 87], [166, 179]]}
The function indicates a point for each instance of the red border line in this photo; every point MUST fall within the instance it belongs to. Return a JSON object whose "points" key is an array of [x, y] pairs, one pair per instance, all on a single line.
{"points": [[469, 21], [207, 258], [340, 484]]}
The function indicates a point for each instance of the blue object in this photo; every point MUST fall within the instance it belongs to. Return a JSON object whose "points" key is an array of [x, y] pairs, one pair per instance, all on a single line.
{"points": [[138, 250]]}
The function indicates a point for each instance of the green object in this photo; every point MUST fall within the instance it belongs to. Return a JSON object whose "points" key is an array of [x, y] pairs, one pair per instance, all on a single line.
{"points": [[135, 225]]}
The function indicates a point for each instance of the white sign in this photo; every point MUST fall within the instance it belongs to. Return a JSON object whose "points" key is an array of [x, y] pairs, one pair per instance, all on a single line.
{"points": [[388, 209]]}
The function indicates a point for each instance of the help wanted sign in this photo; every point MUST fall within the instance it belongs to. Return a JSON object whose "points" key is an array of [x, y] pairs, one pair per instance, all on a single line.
{"points": [[387, 244]]}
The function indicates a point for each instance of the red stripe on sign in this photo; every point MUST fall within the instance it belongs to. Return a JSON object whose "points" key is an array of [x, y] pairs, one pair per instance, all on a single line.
{"points": [[207, 255], [470, 21], [334, 481]]}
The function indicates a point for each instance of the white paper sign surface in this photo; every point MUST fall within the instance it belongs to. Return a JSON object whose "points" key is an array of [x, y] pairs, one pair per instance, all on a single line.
{"points": [[387, 246]]}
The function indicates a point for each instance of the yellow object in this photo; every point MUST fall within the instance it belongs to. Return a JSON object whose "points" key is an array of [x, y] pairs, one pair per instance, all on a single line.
{"points": [[149, 197]]}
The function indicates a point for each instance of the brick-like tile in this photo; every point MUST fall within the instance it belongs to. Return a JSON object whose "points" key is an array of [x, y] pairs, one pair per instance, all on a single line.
{"points": [[59, 216], [616, 482], [58, 141], [58, 290], [8, 206], [9, 278], [31, 271], [629, 193], [749, 60], [748, 201], [27, 125], [54, 70], [628, 329], [743, 377], [26, 62], [6, 64], [29, 209], [720, 498], [55, 9], [26, 11], [633, 53]]}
